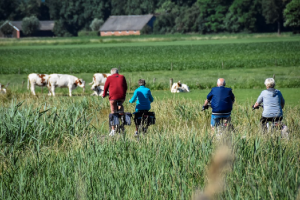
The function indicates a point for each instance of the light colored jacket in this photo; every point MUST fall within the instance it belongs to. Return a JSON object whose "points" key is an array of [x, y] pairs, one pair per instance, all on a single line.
{"points": [[273, 101]]}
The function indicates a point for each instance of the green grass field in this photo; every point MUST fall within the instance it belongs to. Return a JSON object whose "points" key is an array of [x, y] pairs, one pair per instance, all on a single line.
{"points": [[59, 147]]}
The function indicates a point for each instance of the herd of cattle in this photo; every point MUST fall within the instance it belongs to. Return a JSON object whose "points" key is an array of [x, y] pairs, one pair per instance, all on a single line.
{"points": [[69, 81]]}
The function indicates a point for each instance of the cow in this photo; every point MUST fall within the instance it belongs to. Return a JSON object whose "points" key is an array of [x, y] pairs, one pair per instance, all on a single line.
{"points": [[64, 80], [2, 90], [179, 87], [98, 83], [40, 80]]}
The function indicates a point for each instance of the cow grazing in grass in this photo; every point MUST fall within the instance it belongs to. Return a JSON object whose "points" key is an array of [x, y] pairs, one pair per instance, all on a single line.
{"points": [[179, 87], [40, 80], [2, 90], [64, 81], [98, 83]]}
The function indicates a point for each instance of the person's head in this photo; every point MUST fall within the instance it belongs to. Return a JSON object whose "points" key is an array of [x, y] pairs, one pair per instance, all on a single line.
{"points": [[142, 82], [270, 83], [114, 71], [221, 82]]}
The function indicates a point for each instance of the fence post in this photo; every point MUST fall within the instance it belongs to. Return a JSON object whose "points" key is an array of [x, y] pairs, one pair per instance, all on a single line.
{"points": [[171, 66], [171, 82], [23, 84], [154, 79], [274, 76], [222, 65]]}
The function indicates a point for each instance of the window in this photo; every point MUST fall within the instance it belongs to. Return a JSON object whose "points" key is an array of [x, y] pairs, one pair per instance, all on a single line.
{"points": [[120, 31], [112, 32]]}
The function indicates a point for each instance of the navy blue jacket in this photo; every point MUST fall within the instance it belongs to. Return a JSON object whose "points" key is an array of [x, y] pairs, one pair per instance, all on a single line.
{"points": [[221, 99]]}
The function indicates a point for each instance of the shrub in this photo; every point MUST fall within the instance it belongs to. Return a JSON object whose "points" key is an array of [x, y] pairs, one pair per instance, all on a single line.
{"points": [[146, 30], [60, 29], [7, 29], [88, 33], [96, 24], [30, 25]]}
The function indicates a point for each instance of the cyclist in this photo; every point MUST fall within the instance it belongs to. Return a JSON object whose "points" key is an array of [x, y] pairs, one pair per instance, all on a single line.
{"points": [[117, 86], [273, 103], [143, 98], [221, 99]]}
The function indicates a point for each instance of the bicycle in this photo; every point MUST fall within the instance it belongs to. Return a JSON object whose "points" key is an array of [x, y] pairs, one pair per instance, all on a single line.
{"points": [[222, 126], [119, 120], [143, 119], [273, 124]]}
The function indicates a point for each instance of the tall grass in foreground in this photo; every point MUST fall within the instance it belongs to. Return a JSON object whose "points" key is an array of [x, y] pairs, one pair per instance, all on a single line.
{"points": [[59, 148]]}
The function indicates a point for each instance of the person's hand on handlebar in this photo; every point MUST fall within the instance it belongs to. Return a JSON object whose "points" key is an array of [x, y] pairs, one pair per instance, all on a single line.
{"points": [[204, 107], [104, 96]]}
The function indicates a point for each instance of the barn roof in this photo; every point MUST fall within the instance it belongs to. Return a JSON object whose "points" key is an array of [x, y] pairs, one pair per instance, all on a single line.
{"points": [[126, 22], [45, 25]]}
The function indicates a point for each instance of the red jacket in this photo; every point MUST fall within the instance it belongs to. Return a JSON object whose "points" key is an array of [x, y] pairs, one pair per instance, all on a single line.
{"points": [[117, 86]]}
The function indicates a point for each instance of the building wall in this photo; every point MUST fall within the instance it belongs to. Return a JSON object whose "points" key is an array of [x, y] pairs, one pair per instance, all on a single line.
{"points": [[119, 33], [13, 35]]}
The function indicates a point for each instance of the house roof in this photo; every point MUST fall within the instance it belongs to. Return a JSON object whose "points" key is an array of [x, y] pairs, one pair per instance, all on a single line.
{"points": [[45, 25], [126, 22]]}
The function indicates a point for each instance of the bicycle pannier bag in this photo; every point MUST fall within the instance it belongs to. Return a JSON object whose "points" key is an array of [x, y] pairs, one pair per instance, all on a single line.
{"points": [[127, 118], [114, 119], [151, 118]]}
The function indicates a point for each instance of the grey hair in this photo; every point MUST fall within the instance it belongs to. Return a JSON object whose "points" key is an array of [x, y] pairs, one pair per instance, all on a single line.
{"points": [[270, 82], [142, 82], [114, 71], [220, 83]]}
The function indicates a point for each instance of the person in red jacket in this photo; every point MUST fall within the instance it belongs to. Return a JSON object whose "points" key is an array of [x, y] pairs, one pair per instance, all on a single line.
{"points": [[117, 86]]}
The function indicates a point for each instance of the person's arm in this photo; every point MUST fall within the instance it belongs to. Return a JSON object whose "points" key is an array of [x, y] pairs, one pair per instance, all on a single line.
{"points": [[208, 98], [133, 99], [125, 84], [259, 100], [232, 96], [282, 101], [150, 97], [106, 86]]}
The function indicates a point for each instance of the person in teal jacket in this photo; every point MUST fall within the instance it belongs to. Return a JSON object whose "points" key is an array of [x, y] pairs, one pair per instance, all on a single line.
{"points": [[143, 98]]}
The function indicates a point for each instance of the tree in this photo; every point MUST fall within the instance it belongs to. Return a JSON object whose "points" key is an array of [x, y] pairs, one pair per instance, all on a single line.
{"points": [[188, 19], [212, 14], [242, 16], [292, 14], [7, 29], [8, 9], [96, 24], [30, 25], [272, 10]]}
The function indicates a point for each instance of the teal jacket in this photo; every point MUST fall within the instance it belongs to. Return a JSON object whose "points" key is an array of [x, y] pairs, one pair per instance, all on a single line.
{"points": [[143, 98]]}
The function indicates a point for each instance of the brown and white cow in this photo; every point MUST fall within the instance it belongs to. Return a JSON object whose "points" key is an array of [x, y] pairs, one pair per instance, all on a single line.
{"points": [[2, 90], [40, 80], [98, 83], [179, 87], [62, 81]]}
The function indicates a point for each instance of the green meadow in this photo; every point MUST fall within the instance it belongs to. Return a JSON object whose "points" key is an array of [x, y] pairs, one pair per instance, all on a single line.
{"points": [[59, 148]]}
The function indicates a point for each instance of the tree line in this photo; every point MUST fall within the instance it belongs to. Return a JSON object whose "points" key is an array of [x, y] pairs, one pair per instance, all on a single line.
{"points": [[172, 16]]}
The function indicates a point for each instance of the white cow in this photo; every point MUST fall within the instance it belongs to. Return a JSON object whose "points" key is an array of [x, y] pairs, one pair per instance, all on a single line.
{"points": [[64, 80], [40, 80], [98, 83], [179, 87], [2, 90]]}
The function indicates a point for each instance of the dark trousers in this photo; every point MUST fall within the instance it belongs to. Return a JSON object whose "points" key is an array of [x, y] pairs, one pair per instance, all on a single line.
{"points": [[265, 120]]}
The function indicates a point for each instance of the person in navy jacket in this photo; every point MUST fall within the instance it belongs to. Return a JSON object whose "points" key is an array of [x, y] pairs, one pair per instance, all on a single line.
{"points": [[221, 99], [143, 98]]}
